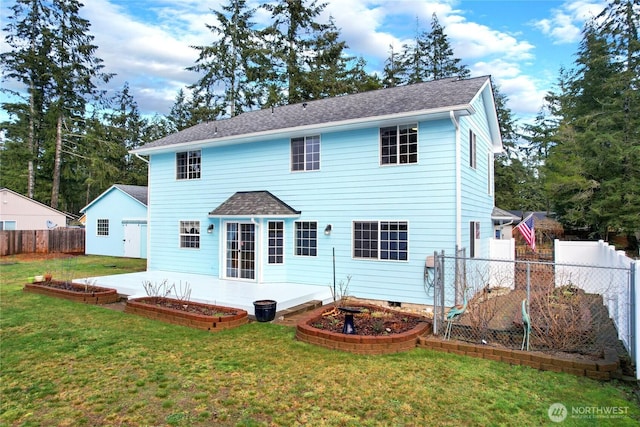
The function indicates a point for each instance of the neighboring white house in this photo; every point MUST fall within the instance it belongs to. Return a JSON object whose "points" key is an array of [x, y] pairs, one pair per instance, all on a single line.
{"points": [[503, 223], [116, 222], [364, 186], [18, 212]]}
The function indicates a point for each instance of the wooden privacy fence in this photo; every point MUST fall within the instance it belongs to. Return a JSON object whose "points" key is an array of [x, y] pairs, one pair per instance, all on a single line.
{"points": [[66, 240]]}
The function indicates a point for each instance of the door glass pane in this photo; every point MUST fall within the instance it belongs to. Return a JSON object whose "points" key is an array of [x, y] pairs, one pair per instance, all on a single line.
{"points": [[247, 251], [232, 250]]}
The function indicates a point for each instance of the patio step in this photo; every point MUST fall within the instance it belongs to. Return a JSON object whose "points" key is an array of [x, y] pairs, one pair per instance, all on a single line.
{"points": [[298, 309]]}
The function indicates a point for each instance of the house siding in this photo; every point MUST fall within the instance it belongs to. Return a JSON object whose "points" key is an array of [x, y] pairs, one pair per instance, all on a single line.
{"points": [[351, 185], [115, 206], [477, 200], [27, 213]]}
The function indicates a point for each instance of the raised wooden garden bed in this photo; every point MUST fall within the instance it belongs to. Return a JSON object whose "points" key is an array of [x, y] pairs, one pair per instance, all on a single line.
{"points": [[383, 343], [74, 292], [187, 313]]}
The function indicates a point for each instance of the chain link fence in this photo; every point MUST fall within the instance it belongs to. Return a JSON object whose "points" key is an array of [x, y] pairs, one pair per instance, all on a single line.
{"points": [[566, 307]]}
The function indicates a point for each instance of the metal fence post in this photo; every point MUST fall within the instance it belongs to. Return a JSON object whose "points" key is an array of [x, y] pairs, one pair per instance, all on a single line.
{"points": [[528, 282], [436, 291], [632, 312]]}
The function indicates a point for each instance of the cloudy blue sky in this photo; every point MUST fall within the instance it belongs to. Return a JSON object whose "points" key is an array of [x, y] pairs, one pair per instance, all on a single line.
{"points": [[521, 43]]}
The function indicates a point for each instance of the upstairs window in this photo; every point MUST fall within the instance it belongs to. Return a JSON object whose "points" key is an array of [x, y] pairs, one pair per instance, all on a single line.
{"points": [[472, 150], [190, 234], [385, 240], [305, 153], [399, 144], [102, 227], [188, 165]]}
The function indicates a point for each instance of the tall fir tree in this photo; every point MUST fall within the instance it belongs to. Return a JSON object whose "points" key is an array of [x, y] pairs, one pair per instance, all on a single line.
{"points": [[229, 64], [28, 63], [394, 69], [331, 72], [75, 69], [290, 37], [592, 170], [415, 59], [442, 63]]}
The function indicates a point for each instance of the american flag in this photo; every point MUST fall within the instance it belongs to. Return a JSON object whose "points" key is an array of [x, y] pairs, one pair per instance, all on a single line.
{"points": [[528, 231]]}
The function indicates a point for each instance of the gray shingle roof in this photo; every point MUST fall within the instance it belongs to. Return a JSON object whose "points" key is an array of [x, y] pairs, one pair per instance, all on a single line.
{"points": [[437, 94], [138, 192], [253, 203]]}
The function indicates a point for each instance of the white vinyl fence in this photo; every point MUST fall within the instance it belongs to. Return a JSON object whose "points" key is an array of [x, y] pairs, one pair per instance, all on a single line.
{"points": [[623, 304]]}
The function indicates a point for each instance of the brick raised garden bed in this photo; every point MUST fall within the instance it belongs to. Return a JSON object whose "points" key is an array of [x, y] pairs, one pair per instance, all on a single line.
{"points": [[74, 292], [602, 369], [359, 344], [220, 317]]}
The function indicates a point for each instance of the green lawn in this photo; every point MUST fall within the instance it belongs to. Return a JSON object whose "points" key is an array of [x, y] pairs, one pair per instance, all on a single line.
{"points": [[64, 363]]}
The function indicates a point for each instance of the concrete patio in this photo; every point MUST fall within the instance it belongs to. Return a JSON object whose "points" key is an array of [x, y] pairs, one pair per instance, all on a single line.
{"points": [[211, 290]]}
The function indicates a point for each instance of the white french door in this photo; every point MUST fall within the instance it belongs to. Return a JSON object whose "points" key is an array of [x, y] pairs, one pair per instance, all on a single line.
{"points": [[240, 241]]}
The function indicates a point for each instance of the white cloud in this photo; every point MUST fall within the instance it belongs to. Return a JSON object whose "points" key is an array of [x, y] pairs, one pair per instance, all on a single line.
{"points": [[150, 53], [148, 43], [566, 23]]}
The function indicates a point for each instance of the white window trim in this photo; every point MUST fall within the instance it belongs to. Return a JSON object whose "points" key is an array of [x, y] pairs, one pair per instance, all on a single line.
{"points": [[490, 174], [417, 125], [378, 259], [295, 238], [473, 240], [187, 165], [305, 154], [473, 150], [98, 227], [284, 242], [180, 234]]}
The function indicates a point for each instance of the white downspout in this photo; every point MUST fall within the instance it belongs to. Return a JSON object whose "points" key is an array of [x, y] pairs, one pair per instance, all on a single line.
{"points": [[456, 124], [148, 212], [142, 158]]}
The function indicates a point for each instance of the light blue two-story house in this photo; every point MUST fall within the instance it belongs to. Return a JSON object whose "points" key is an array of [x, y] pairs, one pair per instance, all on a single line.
{"points": [[116, 222], [371, 184]]}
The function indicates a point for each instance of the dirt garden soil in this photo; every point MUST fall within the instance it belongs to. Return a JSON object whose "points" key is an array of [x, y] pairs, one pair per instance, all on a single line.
{"points": [[370, 322]]}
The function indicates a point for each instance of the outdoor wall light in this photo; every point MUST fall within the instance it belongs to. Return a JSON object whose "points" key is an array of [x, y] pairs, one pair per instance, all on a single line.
{"points": [[210, 229], [327, 230]]}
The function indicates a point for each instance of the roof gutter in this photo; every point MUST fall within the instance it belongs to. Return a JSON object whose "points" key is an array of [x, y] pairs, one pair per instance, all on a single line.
{"points": [[456, 124], [463, 109]]}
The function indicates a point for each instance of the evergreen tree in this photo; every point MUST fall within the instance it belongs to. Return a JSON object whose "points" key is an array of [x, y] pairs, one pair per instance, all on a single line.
{"points": [[74, 71], [429, 57], [229, 64], [592, 170], [28, 63], [415, 59], [288, 42], [394, 70], [125, 132], [621, 192], [189, 110], [330, 71], [441, 63], [515, 172]]}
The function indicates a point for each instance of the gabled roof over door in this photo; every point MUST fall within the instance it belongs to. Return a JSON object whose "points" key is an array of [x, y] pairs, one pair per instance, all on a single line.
{"points": [[254, 204]]}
